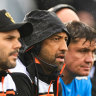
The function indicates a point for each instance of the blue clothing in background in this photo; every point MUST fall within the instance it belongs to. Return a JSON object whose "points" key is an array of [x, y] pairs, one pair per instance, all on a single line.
{"points": [[80, 86]]}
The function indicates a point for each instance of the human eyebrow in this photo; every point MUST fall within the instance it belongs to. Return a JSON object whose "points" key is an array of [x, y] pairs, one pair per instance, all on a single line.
{"points": [[84, 50], [57, 35], [11, 37], [60, 36]]}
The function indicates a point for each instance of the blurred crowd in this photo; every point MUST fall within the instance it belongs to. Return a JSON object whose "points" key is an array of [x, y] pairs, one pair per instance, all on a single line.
{"points": [[18, 8]]}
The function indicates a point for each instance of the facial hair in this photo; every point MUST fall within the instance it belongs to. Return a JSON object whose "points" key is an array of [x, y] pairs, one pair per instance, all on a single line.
{"points": [[5, 62]]}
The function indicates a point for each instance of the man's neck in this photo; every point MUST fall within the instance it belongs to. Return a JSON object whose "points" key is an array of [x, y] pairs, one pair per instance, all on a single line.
{"points": [[68, 77], [47, 68]]}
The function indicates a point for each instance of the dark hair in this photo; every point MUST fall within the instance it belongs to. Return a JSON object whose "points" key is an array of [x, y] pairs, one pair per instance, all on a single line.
{"points": [[79, 30]]}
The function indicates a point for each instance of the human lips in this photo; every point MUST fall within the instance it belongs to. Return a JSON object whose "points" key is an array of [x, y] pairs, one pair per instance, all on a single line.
{"points": [[15, 55], [87, 68], [60, 58]]}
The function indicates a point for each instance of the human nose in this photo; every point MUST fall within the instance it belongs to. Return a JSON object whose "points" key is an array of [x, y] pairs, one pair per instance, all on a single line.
{"points": [[89, 58], [17, 44], [63, 46]]}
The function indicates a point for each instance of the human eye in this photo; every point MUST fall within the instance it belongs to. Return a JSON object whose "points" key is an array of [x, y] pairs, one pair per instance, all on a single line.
{"points": [[83, 50], [9, 38], [56, 38], [66, 39]]}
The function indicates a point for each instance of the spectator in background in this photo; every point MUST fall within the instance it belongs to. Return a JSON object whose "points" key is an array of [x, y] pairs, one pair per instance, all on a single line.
{"points": [[68, 14], [87, 14], [65, 12], [79, 59], [87, 6], [87, 18]]}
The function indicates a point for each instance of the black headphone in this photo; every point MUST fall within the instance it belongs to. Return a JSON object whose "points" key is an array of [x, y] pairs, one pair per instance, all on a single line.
{"points": [[61, 6]]}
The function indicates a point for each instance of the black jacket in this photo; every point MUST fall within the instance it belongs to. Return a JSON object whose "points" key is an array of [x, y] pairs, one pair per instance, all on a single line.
{"points": [[39, 78], [23, 84], [15, 84]]}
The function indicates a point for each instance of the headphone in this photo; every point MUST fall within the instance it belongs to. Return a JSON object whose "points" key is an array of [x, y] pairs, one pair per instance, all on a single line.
{"points": [[61, 6]]}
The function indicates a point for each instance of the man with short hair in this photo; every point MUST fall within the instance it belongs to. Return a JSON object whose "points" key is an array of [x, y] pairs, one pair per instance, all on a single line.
{"points": [[67, 13], [12, 84], [79, 59]]}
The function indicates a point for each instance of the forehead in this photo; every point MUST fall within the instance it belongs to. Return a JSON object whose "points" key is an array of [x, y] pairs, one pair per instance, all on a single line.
{"points": [[63, 34], [82, 43], [12, 33]]}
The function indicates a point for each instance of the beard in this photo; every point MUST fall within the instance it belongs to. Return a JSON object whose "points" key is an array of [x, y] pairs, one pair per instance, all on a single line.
{"points": [[6, 64]]}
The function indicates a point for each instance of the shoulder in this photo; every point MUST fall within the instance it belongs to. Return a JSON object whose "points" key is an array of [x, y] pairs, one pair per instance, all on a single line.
{"points": [[23, 83], [83, 81], [82, 78], [86, 83], [21, 77]]}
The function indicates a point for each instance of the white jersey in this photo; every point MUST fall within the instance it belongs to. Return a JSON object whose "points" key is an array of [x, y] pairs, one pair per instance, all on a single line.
{"points": [[19, 68]]}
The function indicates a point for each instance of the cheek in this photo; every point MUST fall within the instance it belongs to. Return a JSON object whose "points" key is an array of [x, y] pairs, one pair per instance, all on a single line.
{"points": [[92, 64], [74, 56], [71, 60], [69, 56], [3, 54], [73, 66], [5, 48], [49, 49], [44, 52]]}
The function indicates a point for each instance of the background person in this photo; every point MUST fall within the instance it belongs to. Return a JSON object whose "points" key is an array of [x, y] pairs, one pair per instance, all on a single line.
{"points": [[65, 12], [79, 59]]}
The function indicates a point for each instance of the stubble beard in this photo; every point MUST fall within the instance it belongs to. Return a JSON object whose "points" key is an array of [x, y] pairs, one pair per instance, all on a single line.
{"points": [[4, 65]]}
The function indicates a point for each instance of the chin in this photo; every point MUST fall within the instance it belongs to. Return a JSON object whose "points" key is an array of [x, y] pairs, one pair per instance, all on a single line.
{"points": [[10, 67], [84, 74], [12, 64]]}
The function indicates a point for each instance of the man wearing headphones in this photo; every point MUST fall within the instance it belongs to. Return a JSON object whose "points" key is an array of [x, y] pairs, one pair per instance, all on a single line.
{"points": [[65, 12]]}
